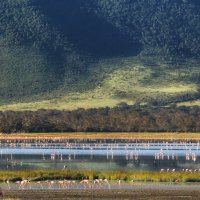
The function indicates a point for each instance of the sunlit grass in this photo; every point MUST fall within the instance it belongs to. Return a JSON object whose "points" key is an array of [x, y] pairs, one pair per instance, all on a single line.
{"points": [[63, 105], [174, 88], [190, 103], [117, 80]]}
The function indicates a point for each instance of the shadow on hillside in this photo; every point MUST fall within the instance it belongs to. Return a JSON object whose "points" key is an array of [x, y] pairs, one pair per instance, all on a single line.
{"points": [[88, 32]]}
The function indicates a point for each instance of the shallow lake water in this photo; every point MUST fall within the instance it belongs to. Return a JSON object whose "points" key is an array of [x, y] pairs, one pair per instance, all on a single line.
{"points": [[106, 155]]}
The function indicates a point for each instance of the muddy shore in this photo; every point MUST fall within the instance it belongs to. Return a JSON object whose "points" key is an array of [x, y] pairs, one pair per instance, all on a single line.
{"points": [[101, 194]]}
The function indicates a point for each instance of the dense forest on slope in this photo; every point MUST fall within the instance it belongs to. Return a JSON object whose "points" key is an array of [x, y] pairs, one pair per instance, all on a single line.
{"points": [[171, 25], [120, 119], [85, 50]]}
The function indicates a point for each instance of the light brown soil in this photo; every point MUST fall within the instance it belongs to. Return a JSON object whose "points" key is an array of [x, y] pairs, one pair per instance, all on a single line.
{"points": [[102, 194]]}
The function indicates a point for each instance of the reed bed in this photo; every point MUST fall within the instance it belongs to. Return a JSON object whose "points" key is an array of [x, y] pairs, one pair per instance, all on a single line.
{"points": [[111, 175]]}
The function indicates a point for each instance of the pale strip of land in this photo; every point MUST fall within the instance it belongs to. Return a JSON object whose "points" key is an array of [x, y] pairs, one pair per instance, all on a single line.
{"points": [[100, 135]]}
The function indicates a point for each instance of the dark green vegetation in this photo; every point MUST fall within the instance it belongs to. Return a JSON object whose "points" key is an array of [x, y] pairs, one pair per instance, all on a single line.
{"points": [[71, 54], [120, 119], [91, 175]]}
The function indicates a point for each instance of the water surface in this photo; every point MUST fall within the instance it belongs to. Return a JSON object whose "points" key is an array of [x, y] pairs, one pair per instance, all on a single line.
{"points": [[107, 155]]}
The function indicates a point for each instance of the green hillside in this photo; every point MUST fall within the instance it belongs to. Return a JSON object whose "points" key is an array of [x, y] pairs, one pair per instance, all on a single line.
{"points": [[95, 53]]}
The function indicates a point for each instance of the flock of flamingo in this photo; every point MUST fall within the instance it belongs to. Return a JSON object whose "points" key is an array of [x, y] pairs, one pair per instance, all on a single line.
{"points": [[63, 184], [67, 150], [131, 150]]}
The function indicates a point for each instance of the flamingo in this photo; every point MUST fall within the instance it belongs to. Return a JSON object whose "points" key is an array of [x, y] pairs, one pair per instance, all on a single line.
{"points": [[85, 183], [61, 183], [51, 183], [97, 182], [8, 184], [119, 183], [24, 184], [106, 182], [67, 183], [39, 183]]}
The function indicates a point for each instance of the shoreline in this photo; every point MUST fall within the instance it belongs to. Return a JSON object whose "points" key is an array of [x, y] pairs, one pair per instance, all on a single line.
{"points": [[102, 136], [135, 194]]}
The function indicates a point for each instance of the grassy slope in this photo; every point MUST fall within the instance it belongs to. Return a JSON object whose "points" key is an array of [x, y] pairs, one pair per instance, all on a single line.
{"points": [[190, 103], [43, 62], [118, 80]]}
